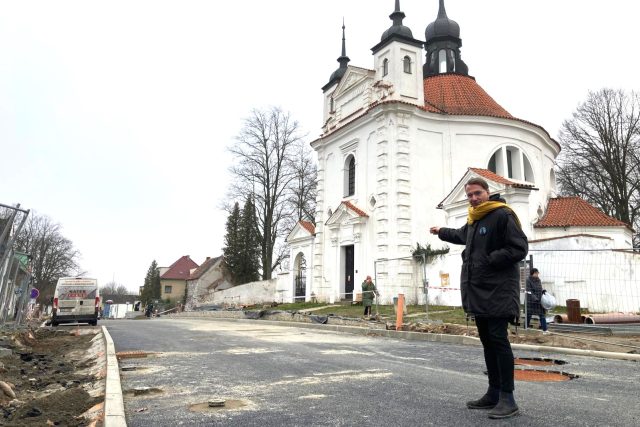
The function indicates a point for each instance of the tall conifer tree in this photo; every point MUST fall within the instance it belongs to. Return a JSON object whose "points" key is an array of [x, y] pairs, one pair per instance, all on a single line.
{"points": [[232, 244], [249, 270], [148, 290]]}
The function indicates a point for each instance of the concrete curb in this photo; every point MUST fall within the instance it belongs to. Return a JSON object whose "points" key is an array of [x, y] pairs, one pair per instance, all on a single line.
{"points": [[113, 402], [421, 336]]}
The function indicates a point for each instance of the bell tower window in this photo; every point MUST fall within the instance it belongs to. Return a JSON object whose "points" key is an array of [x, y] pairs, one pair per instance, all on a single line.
{"points": [[385, 67], [442, 60], [406, 62]]}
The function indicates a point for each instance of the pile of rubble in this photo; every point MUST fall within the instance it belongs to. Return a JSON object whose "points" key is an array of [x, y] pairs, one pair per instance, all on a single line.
{"points": [[52, 377]]}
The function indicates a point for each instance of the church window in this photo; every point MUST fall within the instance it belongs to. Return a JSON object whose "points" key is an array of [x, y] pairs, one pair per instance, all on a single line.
{"points": [[331, 105], [407, 64], [385, 67], [350, 177], [442, 60], [511, 162]]}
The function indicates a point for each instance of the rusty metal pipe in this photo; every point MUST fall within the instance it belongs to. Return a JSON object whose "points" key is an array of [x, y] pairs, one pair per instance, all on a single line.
{"points": [[560, 318], [592, 319], [564, 318]]}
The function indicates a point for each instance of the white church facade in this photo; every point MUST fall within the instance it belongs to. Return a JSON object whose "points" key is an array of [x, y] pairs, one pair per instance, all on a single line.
{"points": [[398, 142]]}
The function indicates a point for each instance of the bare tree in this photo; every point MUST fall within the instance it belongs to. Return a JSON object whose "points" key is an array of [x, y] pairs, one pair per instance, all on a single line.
{"points": [[600, 161], [53, 255], [113, 288], [264, 152], [304, 184]]}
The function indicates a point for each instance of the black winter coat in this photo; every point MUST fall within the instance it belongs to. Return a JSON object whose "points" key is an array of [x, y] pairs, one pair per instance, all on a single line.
{"points": [[490, 277], [534, 296]]}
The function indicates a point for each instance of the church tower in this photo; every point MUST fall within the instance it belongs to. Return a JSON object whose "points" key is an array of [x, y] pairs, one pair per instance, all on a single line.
{"points": [[443, 45], [397, 60]]}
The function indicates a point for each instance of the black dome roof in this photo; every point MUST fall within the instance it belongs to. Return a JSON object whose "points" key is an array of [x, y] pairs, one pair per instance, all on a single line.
{"points": [[442, 26], [397, 28]]}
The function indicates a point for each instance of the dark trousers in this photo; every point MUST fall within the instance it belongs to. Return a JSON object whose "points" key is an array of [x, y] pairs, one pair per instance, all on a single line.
{"points": [[497, 351], [543, 321], [367, 310]]}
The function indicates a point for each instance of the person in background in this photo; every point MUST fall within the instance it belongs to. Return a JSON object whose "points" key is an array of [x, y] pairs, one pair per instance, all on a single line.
{"points": [[534, 297], [490, 287], [368, 292]]}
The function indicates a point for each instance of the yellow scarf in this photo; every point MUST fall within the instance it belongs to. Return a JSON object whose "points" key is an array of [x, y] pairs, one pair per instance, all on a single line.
{"points": [[477, 213]]}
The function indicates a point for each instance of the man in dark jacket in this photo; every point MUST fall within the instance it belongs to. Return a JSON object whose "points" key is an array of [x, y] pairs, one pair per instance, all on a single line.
{"points": [[490, 287], [534, 298]]}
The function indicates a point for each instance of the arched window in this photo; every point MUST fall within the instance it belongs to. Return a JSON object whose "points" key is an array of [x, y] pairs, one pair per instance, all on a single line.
{"points": [[511, 162], [350, 176], [331, 105], [406, 62], [385, 67]]}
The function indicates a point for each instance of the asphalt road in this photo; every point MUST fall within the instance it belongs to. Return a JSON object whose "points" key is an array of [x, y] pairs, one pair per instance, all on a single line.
{"points": [[288, 376]]}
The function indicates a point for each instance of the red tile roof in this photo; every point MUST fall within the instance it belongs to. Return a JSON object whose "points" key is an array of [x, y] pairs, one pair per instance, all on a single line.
{"points": [[308, 226], [209, 262], [451, 94], [180, 269], [458, 94], [353, 207], [492, 176], [575, 212]]}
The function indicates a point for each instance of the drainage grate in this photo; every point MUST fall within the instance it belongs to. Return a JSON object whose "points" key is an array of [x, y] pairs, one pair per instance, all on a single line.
{"points": [[132, 354], [532, 375]]}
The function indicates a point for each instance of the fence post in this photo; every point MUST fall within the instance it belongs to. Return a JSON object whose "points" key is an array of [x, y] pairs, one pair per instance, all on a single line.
{"points": [[399, 312]]}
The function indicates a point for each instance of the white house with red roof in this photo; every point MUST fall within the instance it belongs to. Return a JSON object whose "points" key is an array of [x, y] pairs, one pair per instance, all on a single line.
{"points": [[397, 145]]}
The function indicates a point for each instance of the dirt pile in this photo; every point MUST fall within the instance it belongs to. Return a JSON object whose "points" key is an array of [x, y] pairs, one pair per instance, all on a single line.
{"points": [[56, 376]]}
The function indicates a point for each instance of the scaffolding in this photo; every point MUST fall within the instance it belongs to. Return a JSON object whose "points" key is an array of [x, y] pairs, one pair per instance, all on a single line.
{"points": [[15, 269]]}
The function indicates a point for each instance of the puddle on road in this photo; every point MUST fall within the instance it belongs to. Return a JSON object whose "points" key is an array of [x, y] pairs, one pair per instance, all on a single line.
{"points": [[230, 404]]}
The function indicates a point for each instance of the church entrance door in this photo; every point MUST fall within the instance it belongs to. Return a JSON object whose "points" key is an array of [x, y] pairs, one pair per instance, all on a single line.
{"points": [[348, 272]]}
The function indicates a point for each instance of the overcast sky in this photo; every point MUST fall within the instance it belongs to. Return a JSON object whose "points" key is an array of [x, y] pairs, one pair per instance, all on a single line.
{"points": [[115, 115]]}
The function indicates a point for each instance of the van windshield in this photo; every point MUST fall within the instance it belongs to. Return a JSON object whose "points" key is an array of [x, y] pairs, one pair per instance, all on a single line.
{"points": [[76, 292]]}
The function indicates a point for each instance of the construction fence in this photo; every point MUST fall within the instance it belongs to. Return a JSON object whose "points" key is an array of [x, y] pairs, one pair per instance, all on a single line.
{"points": [[590, 285], [16, 296]]}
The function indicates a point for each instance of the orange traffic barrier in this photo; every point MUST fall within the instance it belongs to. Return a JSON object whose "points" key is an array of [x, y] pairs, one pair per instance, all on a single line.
{"points": [[399, 312]]}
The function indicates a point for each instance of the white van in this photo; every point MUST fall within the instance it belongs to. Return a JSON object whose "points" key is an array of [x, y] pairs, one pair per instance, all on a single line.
{"points": [[76, 299]]}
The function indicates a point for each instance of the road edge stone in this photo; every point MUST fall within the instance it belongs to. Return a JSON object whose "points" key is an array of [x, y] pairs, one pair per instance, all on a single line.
{"points": [[113, 403]]}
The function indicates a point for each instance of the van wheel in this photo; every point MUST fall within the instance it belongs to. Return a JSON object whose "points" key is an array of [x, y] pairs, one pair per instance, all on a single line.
{"points": [[93, 323], [54, 323]]}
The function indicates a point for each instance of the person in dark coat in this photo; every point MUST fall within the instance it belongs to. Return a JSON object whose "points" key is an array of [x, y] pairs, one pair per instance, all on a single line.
{"points": [[534, 298], [368, 292], [490, 287]]}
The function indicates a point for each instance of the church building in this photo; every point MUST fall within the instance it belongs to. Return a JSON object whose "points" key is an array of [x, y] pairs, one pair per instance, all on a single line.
{"points": [[398, 142]]}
